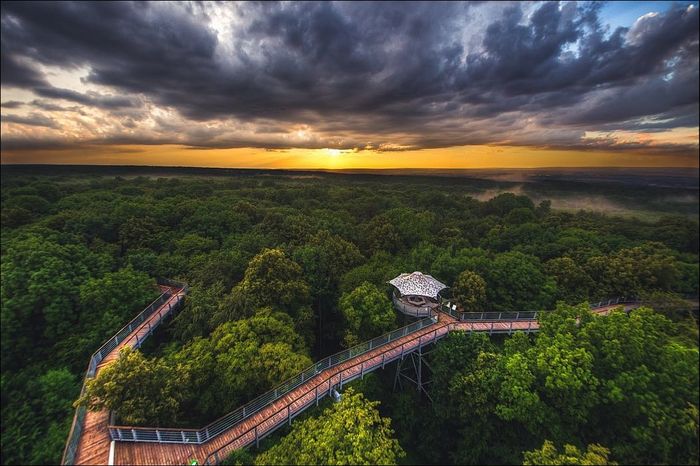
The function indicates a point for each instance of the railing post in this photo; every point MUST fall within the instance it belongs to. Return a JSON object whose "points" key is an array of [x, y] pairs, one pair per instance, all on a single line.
{"points": [[257, 439], [182, 434], [133, 434], [499, 315], [158, 434], [510, 329], [316, 395], [491, 331], [383, 359], [199, 439], [517, 315], [529, 324], [362, 370], [289, 415]]}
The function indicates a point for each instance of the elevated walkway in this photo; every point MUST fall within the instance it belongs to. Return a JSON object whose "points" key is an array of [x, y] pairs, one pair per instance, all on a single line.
{"points": [[262, 416]]}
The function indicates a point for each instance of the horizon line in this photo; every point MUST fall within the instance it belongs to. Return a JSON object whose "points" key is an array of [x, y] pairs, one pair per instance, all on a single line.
{"points": [[583, 167]]}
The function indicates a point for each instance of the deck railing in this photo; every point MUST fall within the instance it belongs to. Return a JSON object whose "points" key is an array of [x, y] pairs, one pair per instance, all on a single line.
{"points": [[412, 309], [198, 436], [322, 388], [448, 307], [96, 358]]}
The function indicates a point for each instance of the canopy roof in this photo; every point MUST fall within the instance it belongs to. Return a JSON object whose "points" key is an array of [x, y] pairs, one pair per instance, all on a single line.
{"points": [[417, 284]]}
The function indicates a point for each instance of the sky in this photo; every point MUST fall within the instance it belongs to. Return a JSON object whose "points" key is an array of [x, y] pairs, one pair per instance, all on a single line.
{"points": [[350, 85]]}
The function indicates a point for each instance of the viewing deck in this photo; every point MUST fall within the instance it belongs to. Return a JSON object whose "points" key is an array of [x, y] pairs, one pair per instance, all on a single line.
{"points": [[413, 309]]}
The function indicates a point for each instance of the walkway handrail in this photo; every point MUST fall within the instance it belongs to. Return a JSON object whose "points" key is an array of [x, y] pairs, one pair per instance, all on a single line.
{"points": [[96, 358], [213, 457], [518, 315], [199, 436]]}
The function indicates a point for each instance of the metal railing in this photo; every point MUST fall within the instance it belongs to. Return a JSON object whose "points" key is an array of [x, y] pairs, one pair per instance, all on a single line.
{"points": [[322, 388], [447, 307], [412, 309], [96, 358], [198, 436]]}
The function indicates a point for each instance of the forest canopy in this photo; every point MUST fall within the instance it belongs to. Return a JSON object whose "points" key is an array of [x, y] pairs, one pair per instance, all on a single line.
{"points": [[284, 270]]}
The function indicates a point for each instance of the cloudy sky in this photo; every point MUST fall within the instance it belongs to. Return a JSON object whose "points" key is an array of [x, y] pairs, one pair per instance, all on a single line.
{"points": [[335, 85]]}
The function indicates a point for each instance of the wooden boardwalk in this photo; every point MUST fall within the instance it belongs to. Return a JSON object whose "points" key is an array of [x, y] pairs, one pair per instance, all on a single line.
{"points": [[95, 442]]}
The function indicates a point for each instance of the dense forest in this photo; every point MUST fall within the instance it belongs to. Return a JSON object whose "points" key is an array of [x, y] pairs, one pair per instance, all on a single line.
{"points": [[285, 269]]}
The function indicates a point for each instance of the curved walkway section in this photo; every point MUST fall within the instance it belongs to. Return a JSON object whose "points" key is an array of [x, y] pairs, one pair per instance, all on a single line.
{"points": [[88, 441]]}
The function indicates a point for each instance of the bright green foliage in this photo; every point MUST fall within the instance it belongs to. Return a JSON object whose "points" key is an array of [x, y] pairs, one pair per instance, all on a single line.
{"points": [[273, 279], [138, 390], [469, 290], [367, 312], [349, 432], [625, 381], [239, 361], [548, 455]]}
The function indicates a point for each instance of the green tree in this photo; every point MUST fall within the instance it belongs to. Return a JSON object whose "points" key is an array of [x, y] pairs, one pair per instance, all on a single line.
{"points": [[240, 360], [139, 390], [201, 304], [573, 283], [548, 455], [349, 432], [271, 280], [367, 313], [469, 290], [516, 282]]}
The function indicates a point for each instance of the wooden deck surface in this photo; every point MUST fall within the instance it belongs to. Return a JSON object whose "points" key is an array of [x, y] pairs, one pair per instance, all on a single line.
{"points": [[94, 445]]}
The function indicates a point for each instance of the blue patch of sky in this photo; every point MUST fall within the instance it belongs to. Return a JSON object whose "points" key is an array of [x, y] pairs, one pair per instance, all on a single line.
{"points": [[624, 14]]}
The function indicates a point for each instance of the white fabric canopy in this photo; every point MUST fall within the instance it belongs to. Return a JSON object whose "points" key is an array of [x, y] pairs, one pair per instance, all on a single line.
{"points": [[417, 284]]}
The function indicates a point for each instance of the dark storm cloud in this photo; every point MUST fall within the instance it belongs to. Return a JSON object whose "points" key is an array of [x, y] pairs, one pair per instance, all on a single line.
{"points": [[16, 73], [12, 104], [91, 99], [398, 74], [33, 119]]}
